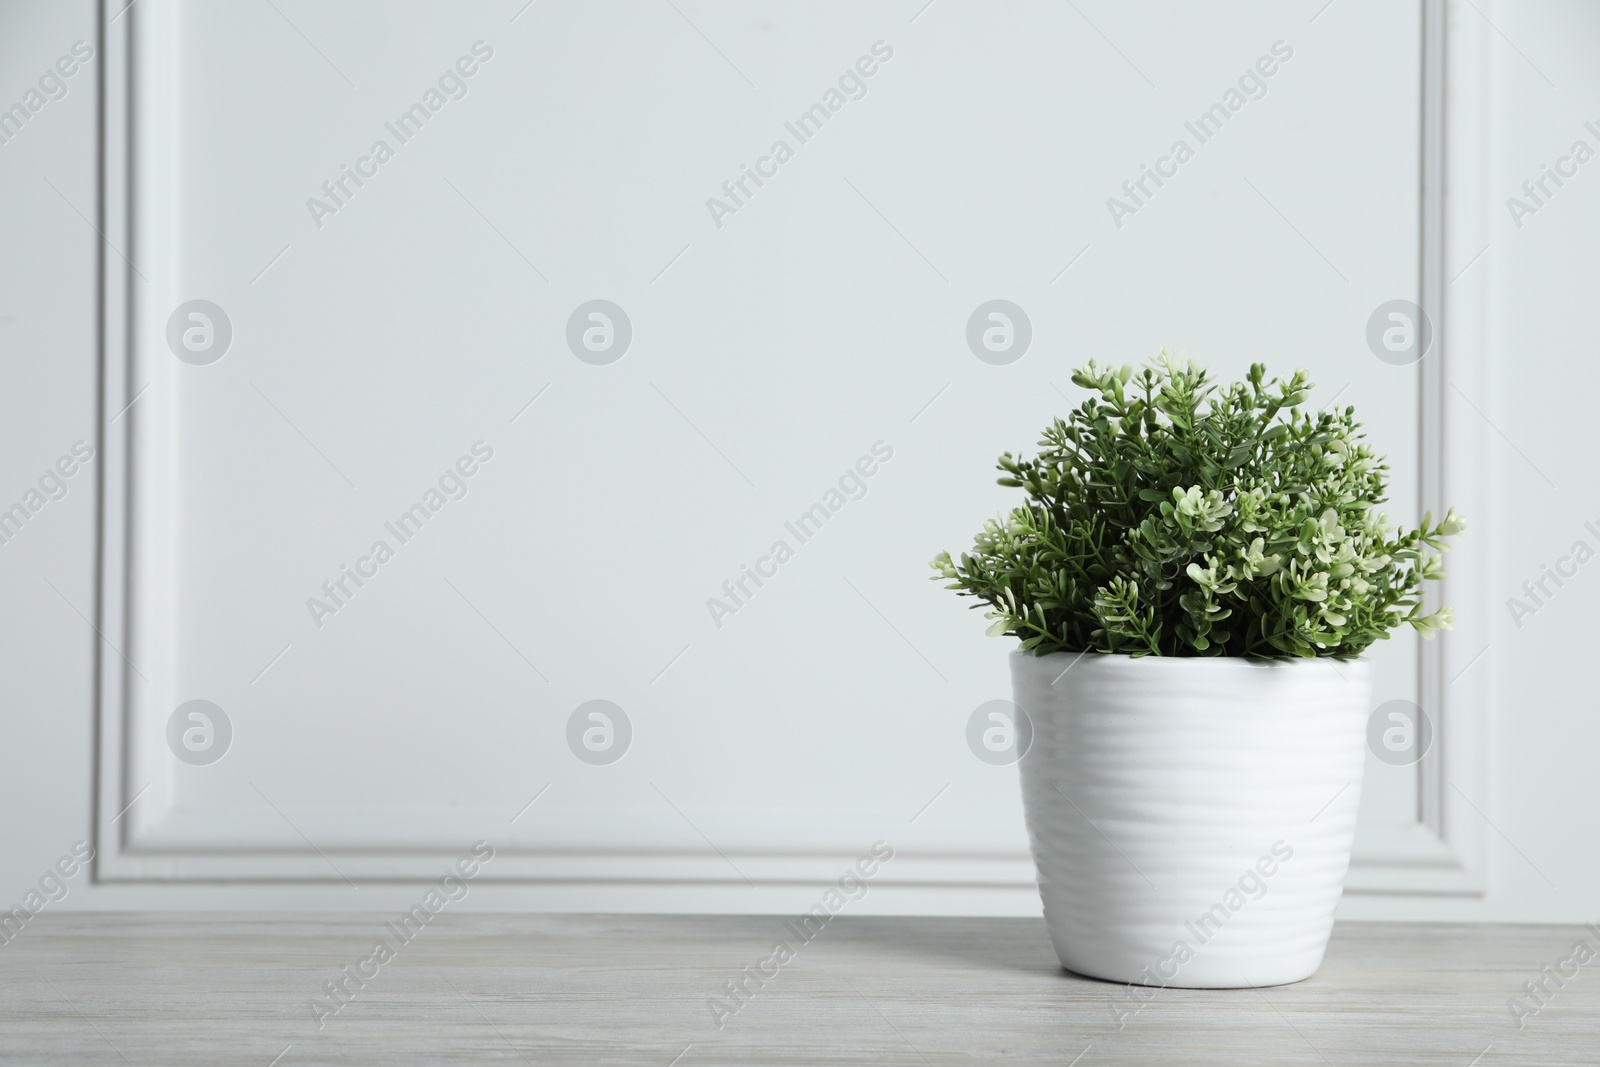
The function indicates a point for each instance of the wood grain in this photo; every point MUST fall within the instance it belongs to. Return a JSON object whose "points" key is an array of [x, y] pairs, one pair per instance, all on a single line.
{"points": [[583, 989]]}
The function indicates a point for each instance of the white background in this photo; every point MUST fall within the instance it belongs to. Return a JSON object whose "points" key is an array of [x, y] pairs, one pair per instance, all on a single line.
{"points": [[822, 716]]}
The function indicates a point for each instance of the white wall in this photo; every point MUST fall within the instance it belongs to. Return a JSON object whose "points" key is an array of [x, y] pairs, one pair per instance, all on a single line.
{"points": [[1535, 414], [1537, 787]]}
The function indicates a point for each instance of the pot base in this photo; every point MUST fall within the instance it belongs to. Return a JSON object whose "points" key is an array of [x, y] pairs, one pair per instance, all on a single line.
{"points": [[1270, 973]]}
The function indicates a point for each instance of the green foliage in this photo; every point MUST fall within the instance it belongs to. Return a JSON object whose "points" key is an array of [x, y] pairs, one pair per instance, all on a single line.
{"points": [[1167, 516]]}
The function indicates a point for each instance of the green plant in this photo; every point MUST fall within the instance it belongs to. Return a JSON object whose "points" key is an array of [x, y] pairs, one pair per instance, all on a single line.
{"points": [[1167, 516]]}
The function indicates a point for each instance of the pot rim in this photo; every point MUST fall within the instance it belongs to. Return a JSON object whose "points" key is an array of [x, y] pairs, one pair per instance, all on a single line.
{"points": [[1123, 661]]}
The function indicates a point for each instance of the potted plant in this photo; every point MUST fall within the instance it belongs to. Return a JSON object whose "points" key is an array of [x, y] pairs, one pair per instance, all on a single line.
{"points": [[1193, 577]]}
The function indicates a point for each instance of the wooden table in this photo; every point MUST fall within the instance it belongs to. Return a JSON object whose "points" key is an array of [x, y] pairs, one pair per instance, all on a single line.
{"points": [[539, 989]]}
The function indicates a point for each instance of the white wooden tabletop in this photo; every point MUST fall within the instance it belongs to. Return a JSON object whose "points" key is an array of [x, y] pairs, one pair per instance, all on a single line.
{"points": [[212, 989]]}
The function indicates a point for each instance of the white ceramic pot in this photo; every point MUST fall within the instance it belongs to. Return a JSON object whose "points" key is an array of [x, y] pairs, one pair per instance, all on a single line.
{"points": [[1191, 819]]}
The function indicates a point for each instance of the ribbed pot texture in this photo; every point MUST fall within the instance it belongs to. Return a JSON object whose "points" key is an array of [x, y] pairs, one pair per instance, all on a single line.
{"points": [[1191, 819]]}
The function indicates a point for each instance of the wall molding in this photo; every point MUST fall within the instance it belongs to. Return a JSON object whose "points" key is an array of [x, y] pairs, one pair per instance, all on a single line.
{"points": [[1447, 851], [144, 836]]}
